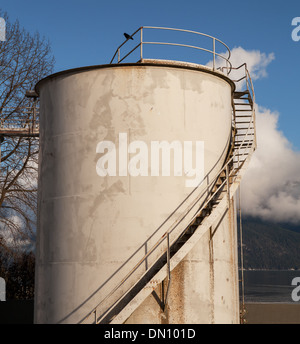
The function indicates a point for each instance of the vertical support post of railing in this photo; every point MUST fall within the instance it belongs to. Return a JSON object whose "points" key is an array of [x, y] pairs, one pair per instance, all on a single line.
{"points": [[1, 140], [207, 181], [95, 316], [214, 51], [146, 260], [118, 55], [34, 115], [168, 255], [254, 127], [169, 269], [141, 43], [227, 183]]}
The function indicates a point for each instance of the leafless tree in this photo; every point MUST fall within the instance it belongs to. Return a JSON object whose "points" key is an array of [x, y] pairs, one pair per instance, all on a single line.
{"points": [[24, 59]]}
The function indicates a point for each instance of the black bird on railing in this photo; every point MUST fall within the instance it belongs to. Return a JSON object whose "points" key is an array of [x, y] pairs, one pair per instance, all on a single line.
{"points": [[127, 36]]}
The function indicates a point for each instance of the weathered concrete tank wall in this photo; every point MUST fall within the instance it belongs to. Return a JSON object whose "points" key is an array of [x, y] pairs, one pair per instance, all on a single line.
{"points": [[204, 286], [90, 224]]}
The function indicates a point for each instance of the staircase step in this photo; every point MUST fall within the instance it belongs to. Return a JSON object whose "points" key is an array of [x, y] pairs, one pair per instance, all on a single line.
{"points": [[199, 219], [245, 155], [192, 228], [204, 213], [244, 146], [175, 247], [220, 181], [239, 129], [190, 231], [242, 104], [243, 143], [245, 134], [239, 94]]}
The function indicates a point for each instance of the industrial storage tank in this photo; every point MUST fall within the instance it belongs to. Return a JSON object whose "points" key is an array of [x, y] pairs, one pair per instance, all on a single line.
{"points": [[129, 152]]}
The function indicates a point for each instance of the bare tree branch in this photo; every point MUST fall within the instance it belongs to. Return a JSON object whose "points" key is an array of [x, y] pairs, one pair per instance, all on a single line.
{"points": [[24, 60]]}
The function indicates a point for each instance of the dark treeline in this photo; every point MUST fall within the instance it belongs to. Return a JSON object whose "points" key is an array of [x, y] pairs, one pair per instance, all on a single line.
{"points": [[271, 246], [18, 272]]}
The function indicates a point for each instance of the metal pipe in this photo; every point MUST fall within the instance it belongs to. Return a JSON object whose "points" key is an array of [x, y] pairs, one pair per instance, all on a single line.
{"points": [[169, 271], [141, 43], [168, 254], [242, 256], [227, 183], [129, 53], [146, 260], [214, 53]]}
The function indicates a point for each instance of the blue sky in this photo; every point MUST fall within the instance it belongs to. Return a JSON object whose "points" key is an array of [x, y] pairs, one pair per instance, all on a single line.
{"points": [[87, 33]]}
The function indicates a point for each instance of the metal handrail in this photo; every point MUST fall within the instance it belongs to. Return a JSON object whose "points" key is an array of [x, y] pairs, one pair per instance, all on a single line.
{"points": [[244, 148], [142, 42], [20, 117], [17, 121]]}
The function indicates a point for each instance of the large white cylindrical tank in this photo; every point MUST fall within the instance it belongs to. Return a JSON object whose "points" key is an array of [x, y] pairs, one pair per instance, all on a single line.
{"points": [[108, 120]]}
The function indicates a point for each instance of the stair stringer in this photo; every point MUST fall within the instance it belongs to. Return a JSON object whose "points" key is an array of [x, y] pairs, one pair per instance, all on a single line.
{"points": [[209, 221]]}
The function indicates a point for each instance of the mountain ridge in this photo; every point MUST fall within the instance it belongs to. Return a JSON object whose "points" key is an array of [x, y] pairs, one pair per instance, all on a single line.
{"points": [[270, 245]]}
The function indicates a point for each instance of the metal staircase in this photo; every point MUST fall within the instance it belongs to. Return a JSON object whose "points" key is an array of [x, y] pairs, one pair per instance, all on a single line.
{"points": [[19, 122], [198, 212], [243, 104]]}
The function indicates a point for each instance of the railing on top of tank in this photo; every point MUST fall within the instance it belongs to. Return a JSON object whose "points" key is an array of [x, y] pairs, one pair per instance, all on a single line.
{"points": [[212, 51], [168, 235]]}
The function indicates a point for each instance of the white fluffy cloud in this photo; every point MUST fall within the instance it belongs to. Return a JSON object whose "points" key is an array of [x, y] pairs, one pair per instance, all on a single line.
{"points": [[271, 186], [15, 238], [257, 62]]}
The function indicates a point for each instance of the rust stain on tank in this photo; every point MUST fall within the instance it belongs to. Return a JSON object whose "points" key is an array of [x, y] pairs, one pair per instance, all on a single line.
{"points": [[176, 299], [211, 275]]}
